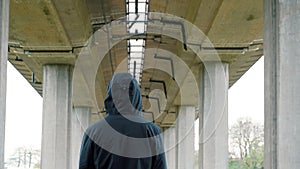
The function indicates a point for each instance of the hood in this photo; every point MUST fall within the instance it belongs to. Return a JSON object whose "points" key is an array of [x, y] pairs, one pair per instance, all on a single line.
{"points": [[123, 95]]}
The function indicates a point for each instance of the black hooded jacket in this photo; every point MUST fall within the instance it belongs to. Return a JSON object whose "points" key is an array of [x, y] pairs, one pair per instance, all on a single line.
{"points": [[123, 139]]}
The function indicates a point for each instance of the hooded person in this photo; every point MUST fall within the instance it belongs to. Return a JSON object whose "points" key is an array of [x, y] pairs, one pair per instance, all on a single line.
{"points": [[123, 139]]}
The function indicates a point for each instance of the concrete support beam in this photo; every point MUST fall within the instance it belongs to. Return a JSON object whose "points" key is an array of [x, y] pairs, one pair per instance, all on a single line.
{"points": [[4, 18], [81, 119], [282, 89], [56, 117], [213, 116], [185, 137], [170, 147]]}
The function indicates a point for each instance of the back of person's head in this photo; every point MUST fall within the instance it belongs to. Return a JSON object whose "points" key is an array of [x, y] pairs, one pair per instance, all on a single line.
{"points": [[123, 95]]}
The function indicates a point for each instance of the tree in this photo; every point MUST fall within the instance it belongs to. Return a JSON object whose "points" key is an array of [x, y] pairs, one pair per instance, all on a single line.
{"points": [[246, 144], [24, 158]]}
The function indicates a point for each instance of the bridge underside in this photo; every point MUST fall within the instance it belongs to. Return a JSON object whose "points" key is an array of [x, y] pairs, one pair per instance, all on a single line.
{"points": [[47, 39]]}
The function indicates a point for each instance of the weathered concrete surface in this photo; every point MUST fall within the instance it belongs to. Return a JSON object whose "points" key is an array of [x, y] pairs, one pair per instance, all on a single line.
{"points": [[282, 89], [170, 147], [185, 137], [57, 111], [231, 26], [81, 119], [4, 15], [213, 116]]}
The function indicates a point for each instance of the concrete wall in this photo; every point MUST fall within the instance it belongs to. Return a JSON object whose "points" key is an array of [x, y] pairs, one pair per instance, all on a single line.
{"points": [[56, 132], [81, 119], [282, 79], [4, 15], [185, 137], [213, 116], [170, 147]]}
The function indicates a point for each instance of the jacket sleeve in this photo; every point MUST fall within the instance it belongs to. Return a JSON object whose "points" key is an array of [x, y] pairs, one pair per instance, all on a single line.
{"points": [[160, 162], [86, 159], [160, 159]]}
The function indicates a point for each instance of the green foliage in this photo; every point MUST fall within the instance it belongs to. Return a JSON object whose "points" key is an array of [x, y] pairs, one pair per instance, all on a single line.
{"points": [[234, 164], [255, 160]]}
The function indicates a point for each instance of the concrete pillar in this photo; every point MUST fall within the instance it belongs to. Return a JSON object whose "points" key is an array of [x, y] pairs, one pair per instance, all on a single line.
{"points": [[282, 79], [56, 117], [170, 147], [4, 17], [185, 137], [213, 116], [81, 119]]}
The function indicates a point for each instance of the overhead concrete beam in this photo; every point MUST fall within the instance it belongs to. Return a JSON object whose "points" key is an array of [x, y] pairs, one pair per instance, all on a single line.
{"points": [[206, 14], [4, 17], [36, 25], [282, 79], [75, 19], [236, 21]]}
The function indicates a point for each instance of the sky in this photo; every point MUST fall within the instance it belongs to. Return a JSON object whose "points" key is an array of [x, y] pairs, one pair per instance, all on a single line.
{"points": [[24, 106], [246, 96], [23, 113]]}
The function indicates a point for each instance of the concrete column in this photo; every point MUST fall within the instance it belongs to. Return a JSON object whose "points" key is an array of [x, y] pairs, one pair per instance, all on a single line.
{"points": [[4, 17], [282, 79], [81, 119], [170, 147], [213, 116], [185, 137], [56, 117]]}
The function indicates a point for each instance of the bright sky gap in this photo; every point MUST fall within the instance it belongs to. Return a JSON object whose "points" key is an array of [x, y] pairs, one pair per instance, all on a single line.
{"points": [[136, 17]]}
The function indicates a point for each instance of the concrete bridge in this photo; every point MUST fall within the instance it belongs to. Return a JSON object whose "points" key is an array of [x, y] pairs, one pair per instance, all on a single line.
{"points": [[185, 55]]}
